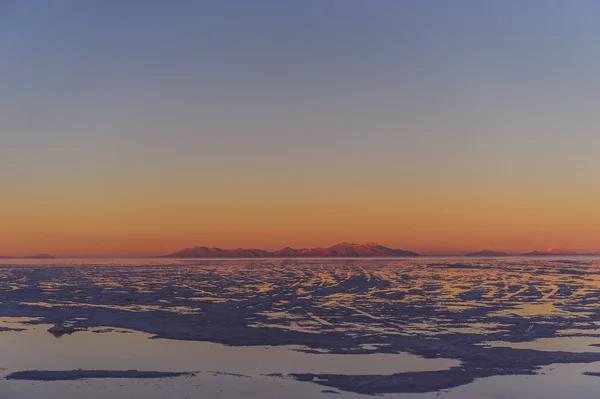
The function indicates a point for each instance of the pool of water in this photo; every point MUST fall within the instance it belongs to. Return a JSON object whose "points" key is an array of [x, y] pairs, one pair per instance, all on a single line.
{"points": [[218, 368]]}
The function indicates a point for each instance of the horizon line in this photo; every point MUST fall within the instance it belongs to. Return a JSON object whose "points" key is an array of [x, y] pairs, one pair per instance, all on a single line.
{"points": [[7, 258], [271, 254]]}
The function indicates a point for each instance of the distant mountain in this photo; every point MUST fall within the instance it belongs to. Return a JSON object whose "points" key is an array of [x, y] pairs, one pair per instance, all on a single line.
{"points": [[552, 252], [343, 249], [288, 252], [351, 250], [487, 253], [206, 252], [39, 256]]}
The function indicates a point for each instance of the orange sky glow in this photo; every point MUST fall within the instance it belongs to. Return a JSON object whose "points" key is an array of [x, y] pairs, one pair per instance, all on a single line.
{"points": [[439, 130], [426, 220]]}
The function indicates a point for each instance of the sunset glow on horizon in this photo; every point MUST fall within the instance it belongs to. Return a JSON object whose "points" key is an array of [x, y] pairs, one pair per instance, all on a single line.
{"points": [[130, 131]]}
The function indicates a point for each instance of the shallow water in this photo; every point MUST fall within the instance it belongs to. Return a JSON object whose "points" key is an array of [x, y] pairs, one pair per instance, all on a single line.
{"points": [[35, 348], [215, 364]]}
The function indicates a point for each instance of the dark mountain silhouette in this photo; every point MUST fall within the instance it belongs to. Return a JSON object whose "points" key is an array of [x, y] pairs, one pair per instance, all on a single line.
{"points": [[551, 252], [343, 249], [39, 256], [288, 252], [486, 253], [206, 252]]}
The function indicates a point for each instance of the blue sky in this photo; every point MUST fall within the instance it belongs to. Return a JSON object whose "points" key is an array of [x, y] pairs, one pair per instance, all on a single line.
{"points": [[439, 98]]}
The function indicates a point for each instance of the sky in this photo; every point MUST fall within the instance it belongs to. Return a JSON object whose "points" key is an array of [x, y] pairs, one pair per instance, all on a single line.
{"points": [[133, 128]]}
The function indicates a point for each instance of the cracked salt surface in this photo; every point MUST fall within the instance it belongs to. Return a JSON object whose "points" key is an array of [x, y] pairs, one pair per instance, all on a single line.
{"points": [[348, 314]]}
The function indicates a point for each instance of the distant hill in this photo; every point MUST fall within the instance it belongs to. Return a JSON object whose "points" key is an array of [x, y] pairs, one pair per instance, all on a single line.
{"points": [[487, 253], [288, 252], [343, 249], [206, 252], [39, 256], [552, 252]]}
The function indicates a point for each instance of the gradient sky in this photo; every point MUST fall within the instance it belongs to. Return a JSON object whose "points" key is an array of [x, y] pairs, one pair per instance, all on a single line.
{"points": [[132, 128]]}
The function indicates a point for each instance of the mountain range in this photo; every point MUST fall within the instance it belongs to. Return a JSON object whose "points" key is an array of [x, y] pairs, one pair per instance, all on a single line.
{"points": [[344, 249], [487, 253], [553, 252], [38, 256]]}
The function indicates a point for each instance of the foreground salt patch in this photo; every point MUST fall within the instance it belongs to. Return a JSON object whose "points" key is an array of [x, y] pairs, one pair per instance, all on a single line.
{"points": [[203, 385], [554, 382], [74, 375], [16, 322], [577, 344], [557, 381]]}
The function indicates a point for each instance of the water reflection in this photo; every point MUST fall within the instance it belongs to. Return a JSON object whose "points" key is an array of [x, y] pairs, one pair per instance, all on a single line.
{"points": [[108, 349]]}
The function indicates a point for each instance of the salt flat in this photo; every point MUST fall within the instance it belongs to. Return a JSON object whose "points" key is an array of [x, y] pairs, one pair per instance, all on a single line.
{"points": [[313, 327]]}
